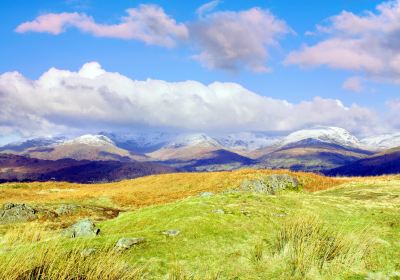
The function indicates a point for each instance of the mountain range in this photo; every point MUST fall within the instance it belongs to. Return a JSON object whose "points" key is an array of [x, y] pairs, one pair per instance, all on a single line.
{"points": [[330, 150]]}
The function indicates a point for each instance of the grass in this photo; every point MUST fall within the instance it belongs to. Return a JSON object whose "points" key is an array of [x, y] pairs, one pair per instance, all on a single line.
{"points": [[337, 228]]}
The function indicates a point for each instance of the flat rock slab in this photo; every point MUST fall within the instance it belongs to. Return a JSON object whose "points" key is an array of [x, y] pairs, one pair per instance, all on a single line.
{"points": [[16, 213], [127, 243], [83, 228]]}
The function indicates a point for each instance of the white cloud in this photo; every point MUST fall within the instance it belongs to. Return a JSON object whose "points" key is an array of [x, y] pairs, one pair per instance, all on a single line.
{"points": [[368, 43], [94, 99], [147, 23], [225, 40], [207, 7], [353, 84], [232, 40]]}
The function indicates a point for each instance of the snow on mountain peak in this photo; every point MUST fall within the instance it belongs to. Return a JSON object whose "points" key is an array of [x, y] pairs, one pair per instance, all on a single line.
{"points": [[385, 141], [334, 135], [198, 139], [89, 139]]}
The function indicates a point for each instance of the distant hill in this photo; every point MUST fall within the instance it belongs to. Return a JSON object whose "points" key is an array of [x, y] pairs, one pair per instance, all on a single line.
{"points": [[311, 155], [387, 162], [20, 168]]}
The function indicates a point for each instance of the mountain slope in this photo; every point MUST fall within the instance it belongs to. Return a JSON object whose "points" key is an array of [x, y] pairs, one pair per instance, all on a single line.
{"points": [[310, 155], [387, 162], [86, 147], [20, 168]]}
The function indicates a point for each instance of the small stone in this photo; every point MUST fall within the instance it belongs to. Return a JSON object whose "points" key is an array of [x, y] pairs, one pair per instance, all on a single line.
{"points": [[280, 215], [82, 228], [88, 252], [219, 211], [171, 232], [206, 194], [127, 243]]}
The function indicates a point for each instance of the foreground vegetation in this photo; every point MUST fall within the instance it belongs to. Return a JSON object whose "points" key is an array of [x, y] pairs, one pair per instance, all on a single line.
{"points": [[332, 229]]}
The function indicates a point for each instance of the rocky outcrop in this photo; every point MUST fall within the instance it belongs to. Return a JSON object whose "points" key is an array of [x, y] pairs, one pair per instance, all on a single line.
{"points": [[270, 184], [127, 243], [16, 213], [83, 228]]}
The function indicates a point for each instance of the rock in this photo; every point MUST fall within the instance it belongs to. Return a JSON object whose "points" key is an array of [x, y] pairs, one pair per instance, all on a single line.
{"points": [[127, 243], [219, 211], [66, 209], [171, 232], [88, 252], [15, 213], [270, 184], [82, 228], [206, 194]]}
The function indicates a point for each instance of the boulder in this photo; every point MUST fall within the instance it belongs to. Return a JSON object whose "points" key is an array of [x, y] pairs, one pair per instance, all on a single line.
{"points": [[16, 213], [127, 243], [88, 252], [82, 228], [219, 211], [171, 232], [270, 184]]}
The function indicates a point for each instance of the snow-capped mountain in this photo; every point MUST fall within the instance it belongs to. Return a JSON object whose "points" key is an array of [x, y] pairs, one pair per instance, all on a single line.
{"points": [[89, 139], [20, 146], [381, 142], [141, 142], [247, 141], [193, 140], [331, 135]]}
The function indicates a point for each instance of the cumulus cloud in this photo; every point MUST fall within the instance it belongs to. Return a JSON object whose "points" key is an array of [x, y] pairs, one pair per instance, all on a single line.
{"points": [[147, 23], [95, 99], [368, 43], [225, 40], [232, 40], [353, 84]]}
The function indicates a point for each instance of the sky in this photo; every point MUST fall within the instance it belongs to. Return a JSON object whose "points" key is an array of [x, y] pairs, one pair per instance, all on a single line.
{"points": [[273, 65]]}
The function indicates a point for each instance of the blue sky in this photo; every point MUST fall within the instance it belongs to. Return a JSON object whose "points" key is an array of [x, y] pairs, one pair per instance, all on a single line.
{"points": [[33, 52]]}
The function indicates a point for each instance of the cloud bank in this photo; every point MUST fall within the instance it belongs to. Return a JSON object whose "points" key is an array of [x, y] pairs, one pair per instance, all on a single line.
{"points": [[95, 99], [147, 23], [368, 43], [225, 40]]}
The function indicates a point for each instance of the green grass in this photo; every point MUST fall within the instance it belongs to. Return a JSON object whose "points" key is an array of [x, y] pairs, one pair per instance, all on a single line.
{"points": [[350, 232]]}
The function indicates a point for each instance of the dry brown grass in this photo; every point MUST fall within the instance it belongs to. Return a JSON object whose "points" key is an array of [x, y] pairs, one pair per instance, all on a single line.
{"points": [[156, 189]]}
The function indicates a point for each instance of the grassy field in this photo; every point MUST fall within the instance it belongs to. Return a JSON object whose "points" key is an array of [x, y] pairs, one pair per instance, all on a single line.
{"points": [[335, 228]]}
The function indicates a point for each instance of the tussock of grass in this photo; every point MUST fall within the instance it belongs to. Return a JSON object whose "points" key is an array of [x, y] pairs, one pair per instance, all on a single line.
{"points": [[25, 234], [52, 261], [309, 245]]}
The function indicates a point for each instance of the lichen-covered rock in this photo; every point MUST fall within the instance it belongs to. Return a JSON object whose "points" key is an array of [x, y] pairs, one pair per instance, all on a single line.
{"points": [[83, 228], [16, 213], [270, 184], [127, 243]]}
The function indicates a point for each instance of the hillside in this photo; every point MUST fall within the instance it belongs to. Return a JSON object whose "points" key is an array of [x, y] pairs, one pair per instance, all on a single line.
{"points": [[349, 230], [20, 168], [387, 162]]}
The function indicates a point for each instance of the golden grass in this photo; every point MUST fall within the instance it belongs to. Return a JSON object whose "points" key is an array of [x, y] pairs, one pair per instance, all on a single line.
{"points": [[52, 261], [156, 189]]}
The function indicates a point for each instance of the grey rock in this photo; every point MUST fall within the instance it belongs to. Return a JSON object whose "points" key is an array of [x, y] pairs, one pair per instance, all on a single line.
{"points": [[219, 211], [206, 194], [82, 228], [270, 184], [15, 213], [88, 252], [127, 243], [171, 232], [66, 209]]}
